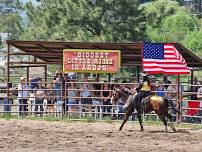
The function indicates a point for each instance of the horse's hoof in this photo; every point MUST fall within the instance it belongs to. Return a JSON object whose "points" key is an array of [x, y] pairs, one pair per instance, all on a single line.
{"points": [[174, 130], [141, 130], [120, 129]]}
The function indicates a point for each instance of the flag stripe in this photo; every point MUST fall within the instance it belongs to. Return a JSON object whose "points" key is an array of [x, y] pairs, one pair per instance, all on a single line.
{"points": [[170, 62]]}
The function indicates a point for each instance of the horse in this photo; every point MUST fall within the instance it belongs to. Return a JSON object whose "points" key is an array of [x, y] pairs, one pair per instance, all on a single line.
{"points": [[154, 103]]}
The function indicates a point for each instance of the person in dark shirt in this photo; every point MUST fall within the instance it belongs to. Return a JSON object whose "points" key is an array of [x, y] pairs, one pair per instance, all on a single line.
{"points": [[166, 81], [106, 98], [97, 94]]}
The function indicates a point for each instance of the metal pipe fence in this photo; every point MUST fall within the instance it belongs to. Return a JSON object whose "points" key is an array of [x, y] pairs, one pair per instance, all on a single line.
{"points": [[55, 101]]}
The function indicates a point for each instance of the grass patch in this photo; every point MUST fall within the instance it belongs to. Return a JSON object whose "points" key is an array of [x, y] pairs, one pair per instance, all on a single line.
{"points": [[108, 119], [91, 119]]}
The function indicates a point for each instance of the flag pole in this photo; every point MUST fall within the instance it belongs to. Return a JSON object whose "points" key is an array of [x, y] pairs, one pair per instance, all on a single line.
{"points": [[142, 43], [179, 99]]}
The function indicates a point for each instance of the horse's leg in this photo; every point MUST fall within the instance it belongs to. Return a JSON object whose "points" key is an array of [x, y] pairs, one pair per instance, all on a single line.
{"points": [[128, 113], [140, 121], [169, 116], [163, 118]]}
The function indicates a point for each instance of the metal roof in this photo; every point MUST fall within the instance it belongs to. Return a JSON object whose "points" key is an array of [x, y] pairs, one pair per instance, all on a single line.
{"points": [[52, 52]]}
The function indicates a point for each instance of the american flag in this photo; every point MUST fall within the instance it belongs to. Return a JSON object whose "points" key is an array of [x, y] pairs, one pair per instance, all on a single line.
{"points": [[163, 58]]}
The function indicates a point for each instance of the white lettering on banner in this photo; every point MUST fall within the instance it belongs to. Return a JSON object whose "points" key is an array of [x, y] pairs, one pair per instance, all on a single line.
{"points": [[93, 55], [89, 61], [94, 60], [89, 67]]}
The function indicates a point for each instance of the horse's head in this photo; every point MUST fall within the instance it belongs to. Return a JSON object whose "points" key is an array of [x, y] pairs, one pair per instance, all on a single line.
{"points": [[117, 94]]}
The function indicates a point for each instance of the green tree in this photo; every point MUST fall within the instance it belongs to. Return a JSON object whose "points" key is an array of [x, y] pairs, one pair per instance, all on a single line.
{"points": [[174, 28], [85, 20], [193, 41], [158, 10], [167, 21], [10, 22]]}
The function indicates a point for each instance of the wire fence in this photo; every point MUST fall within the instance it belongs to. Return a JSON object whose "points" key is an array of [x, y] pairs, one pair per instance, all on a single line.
{"points": [[81, 99]]}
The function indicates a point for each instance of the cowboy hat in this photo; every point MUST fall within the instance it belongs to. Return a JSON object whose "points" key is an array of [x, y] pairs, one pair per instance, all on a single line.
{"points": [[143, 74], [22, 78]]}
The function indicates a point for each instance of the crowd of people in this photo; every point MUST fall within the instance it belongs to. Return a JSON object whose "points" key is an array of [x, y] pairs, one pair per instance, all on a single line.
{"points": [[85, 96]]}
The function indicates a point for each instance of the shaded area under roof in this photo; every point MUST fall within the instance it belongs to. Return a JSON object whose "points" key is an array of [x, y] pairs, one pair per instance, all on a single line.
{"points": [[52, 52]]}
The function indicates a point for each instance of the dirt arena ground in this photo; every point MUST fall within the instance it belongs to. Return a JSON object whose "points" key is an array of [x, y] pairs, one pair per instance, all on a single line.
{"points": [[42, 136]]}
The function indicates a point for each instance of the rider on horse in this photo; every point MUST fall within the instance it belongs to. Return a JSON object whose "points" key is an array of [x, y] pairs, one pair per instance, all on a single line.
{"points": [[144, 89]]}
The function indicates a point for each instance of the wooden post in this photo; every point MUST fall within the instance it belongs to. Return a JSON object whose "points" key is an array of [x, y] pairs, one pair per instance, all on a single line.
{"points": [[8, 63], [192, 79], [138, 76], [65, 96], [109, 77], [45, 74], [34, 59], [27, 74]]}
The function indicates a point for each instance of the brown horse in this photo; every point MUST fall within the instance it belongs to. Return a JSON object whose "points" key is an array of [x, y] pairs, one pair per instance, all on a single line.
{"points": [[154, 103]]}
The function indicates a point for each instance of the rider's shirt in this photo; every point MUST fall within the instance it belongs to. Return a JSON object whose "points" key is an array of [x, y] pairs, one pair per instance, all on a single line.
{"points": [[145, 87]]}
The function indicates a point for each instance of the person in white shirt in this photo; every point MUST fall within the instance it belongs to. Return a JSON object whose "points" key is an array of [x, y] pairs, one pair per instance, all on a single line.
{"points": [[22, 96]]}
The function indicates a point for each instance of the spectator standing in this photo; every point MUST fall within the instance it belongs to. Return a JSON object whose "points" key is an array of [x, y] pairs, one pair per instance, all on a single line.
{"points": [[5, 96], [86, 93], [172, 91], [50, 93], [97, 94], [166, 81], [199, 96], [72, 101], [194, 89], [33, 84], [22, 96], [39, 94], [160, 89], [106, 98], [58, 81]]}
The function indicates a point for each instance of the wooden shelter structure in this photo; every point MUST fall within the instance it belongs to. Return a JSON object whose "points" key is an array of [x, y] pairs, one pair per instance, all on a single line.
{"points": [[51, 52]]}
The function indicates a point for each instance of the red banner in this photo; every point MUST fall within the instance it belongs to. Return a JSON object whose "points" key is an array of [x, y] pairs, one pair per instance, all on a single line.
{"points": [[92, 61]]}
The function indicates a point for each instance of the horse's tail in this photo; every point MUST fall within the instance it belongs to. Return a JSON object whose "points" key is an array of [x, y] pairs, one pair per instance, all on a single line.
{"points": [[172, 105]]}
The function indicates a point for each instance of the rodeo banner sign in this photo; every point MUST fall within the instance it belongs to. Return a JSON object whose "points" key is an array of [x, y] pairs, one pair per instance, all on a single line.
{"points": [[93, 61]]}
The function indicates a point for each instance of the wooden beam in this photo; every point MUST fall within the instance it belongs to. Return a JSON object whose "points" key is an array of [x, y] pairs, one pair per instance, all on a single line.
{"points": [[24, 66], [26, 51], [44, 48], [97, 47], [130, 55], [68, 46], [38, 53], [57, 62]]}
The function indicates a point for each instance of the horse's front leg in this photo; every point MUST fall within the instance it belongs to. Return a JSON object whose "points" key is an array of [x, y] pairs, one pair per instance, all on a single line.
{"points": [[125, 119], [140, 121]]}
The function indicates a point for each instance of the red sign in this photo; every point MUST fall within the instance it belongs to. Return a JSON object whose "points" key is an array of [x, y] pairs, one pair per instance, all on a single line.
{"points": [[93, 61]]}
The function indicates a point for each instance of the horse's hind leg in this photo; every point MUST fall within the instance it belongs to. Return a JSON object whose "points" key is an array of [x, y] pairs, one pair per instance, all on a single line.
{"points": [[163, 118], [169, 116], [140, 121]]}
